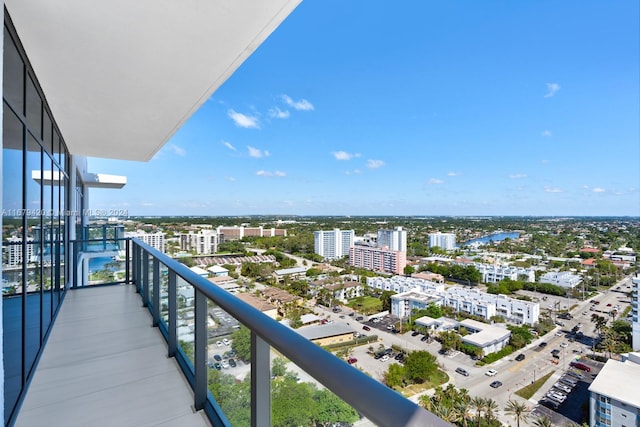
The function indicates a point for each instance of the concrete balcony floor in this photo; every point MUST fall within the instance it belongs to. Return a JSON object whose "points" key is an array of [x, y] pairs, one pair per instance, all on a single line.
{"points": [[105, 365]]}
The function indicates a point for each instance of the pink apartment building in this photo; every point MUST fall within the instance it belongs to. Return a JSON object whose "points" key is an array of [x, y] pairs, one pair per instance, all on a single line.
{"points": [[378, 259]]}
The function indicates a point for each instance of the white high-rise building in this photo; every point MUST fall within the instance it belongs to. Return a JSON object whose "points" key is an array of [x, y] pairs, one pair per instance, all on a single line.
{"points": [[446, 241], [155, 240], [333, 244], [204, 242], [395, 240], [635, 307], [13, 248]]}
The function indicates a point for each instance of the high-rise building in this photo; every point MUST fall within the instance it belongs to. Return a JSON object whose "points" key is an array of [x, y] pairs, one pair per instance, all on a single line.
{"points": [[395, 239], [615, 394], [155, 240], [227, 234], [204, 242], [333, 244], [635, 317], [446, 241]]}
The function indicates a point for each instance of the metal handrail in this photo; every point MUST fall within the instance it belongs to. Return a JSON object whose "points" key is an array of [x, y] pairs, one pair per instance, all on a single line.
{"points": [[375, 401]]}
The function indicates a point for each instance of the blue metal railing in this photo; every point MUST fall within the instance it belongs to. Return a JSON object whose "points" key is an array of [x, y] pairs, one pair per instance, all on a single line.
{"points": [[369, 397]]}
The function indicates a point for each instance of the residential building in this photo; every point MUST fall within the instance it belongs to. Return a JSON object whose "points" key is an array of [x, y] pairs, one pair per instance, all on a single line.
{"points": [[13, 251], [343, 292], [395, 239], [333, 244], [493, 273], [446, 241], [635, 316], [488, 338], [204, 242], [414, 294], [259, 303], [615, 394], [565, 279], [227, 234], [155, 240], [378, 259], [331, 333], [292, 273]]}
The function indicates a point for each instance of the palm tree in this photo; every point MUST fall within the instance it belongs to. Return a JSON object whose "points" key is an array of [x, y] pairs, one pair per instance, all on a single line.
{"points": [[542, 422], [477, 403], [447, 413], [518, 409], [462, 406], [490, 406]]}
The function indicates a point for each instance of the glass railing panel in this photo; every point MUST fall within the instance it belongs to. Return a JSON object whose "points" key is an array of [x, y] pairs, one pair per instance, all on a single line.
{"points": [[185, 322], [229, 363], [299, 399], [164, 295]]}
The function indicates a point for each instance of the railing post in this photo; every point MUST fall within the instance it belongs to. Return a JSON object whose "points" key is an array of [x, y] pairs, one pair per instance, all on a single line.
{"points": [[172, 341], [145, 278], [127, 260], [260, 382], [156, 292], [200, 350]]}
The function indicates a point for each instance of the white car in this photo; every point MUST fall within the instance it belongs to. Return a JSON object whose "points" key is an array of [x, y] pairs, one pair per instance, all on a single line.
{"points": [[562, 387], [559, 334], [491, 373], [564, 345], [219, 344], [226, 341], [225, 364], [384, 358]]}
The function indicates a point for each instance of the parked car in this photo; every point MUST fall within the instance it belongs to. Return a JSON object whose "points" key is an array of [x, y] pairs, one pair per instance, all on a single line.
{"points": [[491, 373], [384, 358], [217, 357], [462, 371], [232, 363], [226, 341], [564, 345], [424, 338], [581, 366], [225, 364], [496, 384], [520, 357], [219, 344], [555, 352], [351, 360], [366, 328], [542, 345], [562, 387], [415, 333], [574, 374], [217, 366]]}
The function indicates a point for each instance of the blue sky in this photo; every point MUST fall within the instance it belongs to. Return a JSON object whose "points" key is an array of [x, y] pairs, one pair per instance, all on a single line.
{"points": [[413, 108]]}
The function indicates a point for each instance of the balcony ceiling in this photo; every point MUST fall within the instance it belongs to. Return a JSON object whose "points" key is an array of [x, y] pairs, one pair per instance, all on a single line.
{"points": [[122, 76]]}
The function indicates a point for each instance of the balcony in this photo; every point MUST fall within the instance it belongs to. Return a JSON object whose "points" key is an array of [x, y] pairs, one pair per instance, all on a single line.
{"points": [[104, 365]]}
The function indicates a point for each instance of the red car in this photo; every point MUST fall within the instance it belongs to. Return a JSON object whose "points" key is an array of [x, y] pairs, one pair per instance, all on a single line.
{"points": [[351, 360], [581, 366]]}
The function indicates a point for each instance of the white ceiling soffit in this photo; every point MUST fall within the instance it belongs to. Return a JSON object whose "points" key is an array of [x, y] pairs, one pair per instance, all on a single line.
{"points": [[122, 76]]}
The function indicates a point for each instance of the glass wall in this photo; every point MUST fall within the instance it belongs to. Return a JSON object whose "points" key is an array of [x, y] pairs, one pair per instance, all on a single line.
{"points": [[34, 233]]}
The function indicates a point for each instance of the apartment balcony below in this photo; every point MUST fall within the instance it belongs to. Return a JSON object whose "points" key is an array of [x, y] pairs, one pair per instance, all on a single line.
{"points": [[104, 365]]}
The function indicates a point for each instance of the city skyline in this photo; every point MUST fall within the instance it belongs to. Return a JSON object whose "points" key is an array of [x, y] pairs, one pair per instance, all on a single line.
{"points": [[420, 109]]}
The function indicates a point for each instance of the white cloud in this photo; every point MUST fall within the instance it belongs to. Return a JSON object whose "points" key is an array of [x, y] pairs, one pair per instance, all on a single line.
{"points": [[277, 113], [343, 155], [229, 145], [454, 174], [518, 176], [435, 181], [302, 105], [230, 178], [257, 153], [548, 189], [269, 173], [375, 164], [177, 150], [546, 133], [552, 88], [354, 172], [598, 190], [244, 121]]}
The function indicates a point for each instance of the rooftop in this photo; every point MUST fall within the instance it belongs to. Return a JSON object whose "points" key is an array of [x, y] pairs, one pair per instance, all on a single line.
{"points": [[611, 378]]}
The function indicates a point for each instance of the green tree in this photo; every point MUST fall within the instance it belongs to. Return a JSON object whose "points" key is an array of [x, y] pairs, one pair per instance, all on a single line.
{"points": [[477, 403], [490, 408], [519, 410], [420, 366], [385, 298], [542, 422], [332, 410], [242, 343], [409, 270], [394, 377], [292, 403], [279, 367]]}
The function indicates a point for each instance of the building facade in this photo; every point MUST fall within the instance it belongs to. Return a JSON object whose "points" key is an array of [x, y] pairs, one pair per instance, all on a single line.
{"points": [[395, 239], [635, 317], [333, 244], [204, 242], [446, 241], [614, 399], [155, 240], [228, 234], [378, 259], [563, 279]]}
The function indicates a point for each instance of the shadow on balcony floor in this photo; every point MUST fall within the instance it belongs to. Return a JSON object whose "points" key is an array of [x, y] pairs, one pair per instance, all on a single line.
{"points": [[104, 365]]}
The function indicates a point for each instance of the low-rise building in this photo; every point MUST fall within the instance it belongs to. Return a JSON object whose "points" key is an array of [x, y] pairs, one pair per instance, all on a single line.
{"points": [[346, 291], [259, 303], [563, 279], [292, 273], [488, 338], [331, 333], [615, 394]]}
